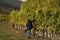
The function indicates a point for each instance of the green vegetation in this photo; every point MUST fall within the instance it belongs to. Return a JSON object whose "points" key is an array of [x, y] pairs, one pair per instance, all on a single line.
{"points": [[45, 12], [4, 18], [8, 33]]}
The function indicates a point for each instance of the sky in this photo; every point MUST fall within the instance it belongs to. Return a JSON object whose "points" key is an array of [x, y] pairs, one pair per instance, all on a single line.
{"points": [[22, 0]]}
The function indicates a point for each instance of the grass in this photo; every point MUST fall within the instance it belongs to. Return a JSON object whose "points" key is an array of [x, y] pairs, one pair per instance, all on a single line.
{"points": [[8, 33]]}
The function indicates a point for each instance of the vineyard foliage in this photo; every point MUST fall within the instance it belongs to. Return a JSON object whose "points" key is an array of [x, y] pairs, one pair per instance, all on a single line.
{"points": [[4, 17], [45, 12]]}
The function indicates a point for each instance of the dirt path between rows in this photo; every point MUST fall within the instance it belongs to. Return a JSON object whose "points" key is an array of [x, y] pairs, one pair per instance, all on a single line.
{"points": [[7, 32]]}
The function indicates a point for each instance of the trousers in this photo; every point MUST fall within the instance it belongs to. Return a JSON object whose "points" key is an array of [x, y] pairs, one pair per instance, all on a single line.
{"points": [[28, 33]]}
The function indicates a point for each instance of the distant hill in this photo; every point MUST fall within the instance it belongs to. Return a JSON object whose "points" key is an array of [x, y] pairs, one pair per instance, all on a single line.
{"points": [[7, 5], [11, 3], [5, 10]]}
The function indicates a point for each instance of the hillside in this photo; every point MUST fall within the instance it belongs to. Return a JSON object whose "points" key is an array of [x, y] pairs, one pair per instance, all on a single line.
{"points": [[5, 10], [11, 3], [7, 5], [8, 33]]}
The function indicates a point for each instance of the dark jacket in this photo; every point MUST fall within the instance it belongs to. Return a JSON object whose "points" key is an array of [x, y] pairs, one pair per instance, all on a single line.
{"points": [[29, 25]]}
